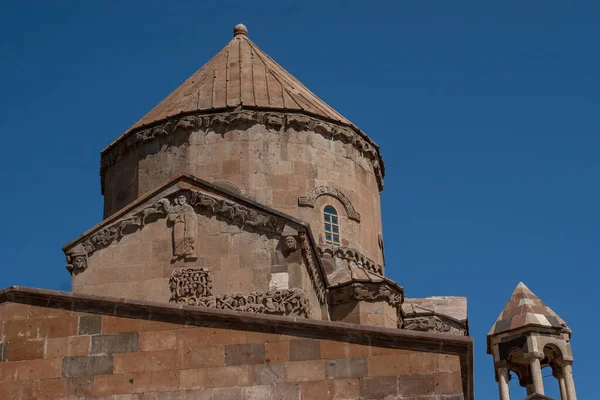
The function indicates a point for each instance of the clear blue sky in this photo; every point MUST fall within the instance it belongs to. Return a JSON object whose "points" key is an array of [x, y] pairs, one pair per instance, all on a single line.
{"points": [[487, 116]]}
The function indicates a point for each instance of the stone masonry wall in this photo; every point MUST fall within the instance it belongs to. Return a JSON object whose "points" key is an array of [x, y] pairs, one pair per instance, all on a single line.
{"points": [[272, 166], [238, 260], [48, 353]]}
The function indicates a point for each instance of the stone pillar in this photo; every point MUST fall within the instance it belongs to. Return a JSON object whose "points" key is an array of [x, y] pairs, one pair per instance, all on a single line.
{"points": [[563, 388], [503, 383], [536, 374], [569, 383]]}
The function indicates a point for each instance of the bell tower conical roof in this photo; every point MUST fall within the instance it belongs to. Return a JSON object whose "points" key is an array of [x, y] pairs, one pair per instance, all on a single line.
{"points": [[523, 309], [241, 75]]}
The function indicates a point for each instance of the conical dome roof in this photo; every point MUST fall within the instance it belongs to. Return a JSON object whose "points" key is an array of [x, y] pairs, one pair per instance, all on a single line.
{"points": [[241, 75], [525, 309]]}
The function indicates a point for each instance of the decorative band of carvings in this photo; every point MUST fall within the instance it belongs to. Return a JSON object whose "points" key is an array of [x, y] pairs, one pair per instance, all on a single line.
{"points": [[178, 208], [367, 291], [277, 120], [193, 287], [350, 254], [309, 201], [436, 323], [313, 268]]}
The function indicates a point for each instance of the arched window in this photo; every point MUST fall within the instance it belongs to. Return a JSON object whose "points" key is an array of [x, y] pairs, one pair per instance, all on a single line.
{"points": [[332, 225]]}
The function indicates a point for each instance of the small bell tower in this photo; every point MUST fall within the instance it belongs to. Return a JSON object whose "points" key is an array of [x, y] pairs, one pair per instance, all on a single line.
{"points": [[527, 337]]}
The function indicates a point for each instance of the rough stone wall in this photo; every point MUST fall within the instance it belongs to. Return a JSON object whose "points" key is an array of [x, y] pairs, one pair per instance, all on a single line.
{"points": [[273, 166], [54, 354], [139, 265]]}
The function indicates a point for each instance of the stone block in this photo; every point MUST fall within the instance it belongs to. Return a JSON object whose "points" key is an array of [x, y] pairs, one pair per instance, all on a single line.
{"points": [[203, 357], [230, 393], [416, 384], [388, 365], [301, 350], [332, 349], [67, 346], [345, 389], [156, 381], [379, 387], [256, 392], [25, 349], [113, 384], [208, 337], [357, 350], [90, 325], [146, 361], [53, 388], [157, 340], [265, 374], [284, 390], [320, 390], [32, 370], [80, 386], [87, 365], [228, 376], [447, 382], [13, 311], [448, 363], [346, 368], [300, 371], [422, 362], [112, 324], [114, 343], [277, 351]]}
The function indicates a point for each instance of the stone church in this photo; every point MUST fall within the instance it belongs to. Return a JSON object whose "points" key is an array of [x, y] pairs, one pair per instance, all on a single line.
{"points": [[241, 256]]}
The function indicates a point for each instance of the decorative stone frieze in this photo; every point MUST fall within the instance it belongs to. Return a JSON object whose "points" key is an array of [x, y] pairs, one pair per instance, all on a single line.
{"points": [[182, 218], [309, 201], [313, 268], [436, 323], [367, 291], [276, 120], [350, 254], [194, 287]]}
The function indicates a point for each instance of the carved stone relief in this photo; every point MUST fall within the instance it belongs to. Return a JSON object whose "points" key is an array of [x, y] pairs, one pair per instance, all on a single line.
{"points": [[183, 219], [309, 201], [313, 268], [194, 287], [366, 291], [350, 254], [347, 134], [436, 323]]}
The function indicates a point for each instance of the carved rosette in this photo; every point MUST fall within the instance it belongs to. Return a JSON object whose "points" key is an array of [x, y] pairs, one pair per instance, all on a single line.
{"points": [[437, 324], [194, 287], [346, 134], [177, 212], [351, 254], [309, 201]]}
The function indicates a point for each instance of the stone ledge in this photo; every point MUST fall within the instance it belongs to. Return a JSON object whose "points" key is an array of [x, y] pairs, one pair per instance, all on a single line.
{"points": [[189, 315]]}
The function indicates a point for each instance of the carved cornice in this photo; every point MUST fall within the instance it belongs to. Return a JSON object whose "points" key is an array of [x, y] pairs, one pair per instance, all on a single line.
{"points": [[199, 201], [367, 291], [273, 119], [309, 201], [351, 254], [193, 287]]}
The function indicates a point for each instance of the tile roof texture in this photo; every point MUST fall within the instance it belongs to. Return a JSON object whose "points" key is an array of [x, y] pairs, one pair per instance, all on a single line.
{"points": [[241, 74], [526, 309]]}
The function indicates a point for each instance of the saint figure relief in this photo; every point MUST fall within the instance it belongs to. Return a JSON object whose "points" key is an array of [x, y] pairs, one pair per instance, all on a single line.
{"points": [[183, 217]]}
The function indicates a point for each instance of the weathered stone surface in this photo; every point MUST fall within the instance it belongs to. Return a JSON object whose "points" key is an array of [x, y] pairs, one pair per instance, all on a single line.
{"points": [[244, 354], [115, 343], [87, 365], [90, 325], [347, 368]]}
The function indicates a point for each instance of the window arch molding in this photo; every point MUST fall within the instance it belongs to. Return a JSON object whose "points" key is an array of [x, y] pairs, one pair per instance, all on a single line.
{"points": [[310, 200]]}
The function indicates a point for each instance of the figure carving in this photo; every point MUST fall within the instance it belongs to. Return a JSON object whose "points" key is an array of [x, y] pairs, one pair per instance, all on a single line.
{"points": [[184, 220], [290, 244], [194, 287], [309, 201]]}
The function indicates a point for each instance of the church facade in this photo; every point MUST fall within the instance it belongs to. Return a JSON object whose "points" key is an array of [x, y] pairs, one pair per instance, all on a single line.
{"points": [[241, 256]]}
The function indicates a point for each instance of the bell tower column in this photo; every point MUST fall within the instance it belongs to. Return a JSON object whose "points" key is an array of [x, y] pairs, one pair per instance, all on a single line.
{"points": [[569, 383], [536, 371], [503, 378]]}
